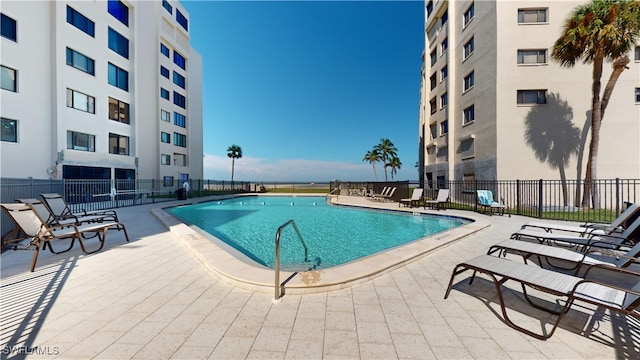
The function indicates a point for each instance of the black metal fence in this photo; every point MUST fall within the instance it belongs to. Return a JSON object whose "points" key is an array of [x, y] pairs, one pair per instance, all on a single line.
{"points": [[535, 198]]}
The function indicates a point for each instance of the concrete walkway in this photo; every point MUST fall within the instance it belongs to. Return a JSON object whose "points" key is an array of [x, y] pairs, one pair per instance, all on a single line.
{"points": [[152, 299]]}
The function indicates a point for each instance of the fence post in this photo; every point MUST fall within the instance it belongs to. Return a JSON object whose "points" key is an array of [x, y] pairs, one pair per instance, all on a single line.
{"points": [[540, 198], [475, 195], [518, 199], [617, 196]]}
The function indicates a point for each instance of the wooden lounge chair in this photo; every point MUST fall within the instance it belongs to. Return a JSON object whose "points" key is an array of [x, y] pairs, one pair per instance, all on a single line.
{"points": [[573, 288], [440, 201], [416, 195], [626, 218], [486, 202], [59, 208], [40, 235], [627, 237]]}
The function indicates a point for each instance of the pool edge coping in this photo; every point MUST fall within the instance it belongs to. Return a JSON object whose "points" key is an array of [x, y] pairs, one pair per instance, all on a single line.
{"points": [[236, 269]]}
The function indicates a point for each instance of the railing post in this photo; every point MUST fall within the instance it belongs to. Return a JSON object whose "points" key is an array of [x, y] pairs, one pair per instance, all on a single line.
{"points": [[540, 197], [518, 199], [617, 196]]}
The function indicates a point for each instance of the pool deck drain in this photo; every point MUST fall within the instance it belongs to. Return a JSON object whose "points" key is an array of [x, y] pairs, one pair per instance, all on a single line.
{"points": [[239, 270]]}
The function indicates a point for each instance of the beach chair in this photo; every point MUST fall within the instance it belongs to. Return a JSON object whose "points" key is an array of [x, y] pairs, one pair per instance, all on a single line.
{"points": [[59, 208], [627, 237], [416, 195], [486, 202], [605, 295], [440, 201], [50, 219], [627, 217], [387, 196], [40, 235]]}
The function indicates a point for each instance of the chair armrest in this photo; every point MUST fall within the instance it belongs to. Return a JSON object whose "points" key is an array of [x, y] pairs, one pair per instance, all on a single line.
{"points": [[624, 271]]}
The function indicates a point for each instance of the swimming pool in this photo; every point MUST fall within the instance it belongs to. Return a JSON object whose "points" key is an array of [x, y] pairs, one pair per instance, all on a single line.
{"points": [[334, 235]]}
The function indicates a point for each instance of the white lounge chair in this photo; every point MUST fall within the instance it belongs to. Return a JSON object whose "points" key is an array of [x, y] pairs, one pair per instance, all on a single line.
{"points": [[416, 195], [440, 201]]}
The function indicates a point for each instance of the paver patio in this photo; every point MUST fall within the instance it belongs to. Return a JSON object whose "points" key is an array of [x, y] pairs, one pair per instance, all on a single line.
{"points": [[152, 299]]}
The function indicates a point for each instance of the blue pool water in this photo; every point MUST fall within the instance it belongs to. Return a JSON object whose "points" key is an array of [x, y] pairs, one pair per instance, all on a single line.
{"points": [[334, 235]]}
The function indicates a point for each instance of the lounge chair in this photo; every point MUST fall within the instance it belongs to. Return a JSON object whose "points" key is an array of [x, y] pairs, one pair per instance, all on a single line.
{"points": [[627, 237], [41, 235], [626, 218], [59, 207], [486, 202], [50, 219], [387, 196], [440, 201], [601, 294], [382, 193], [563, 257], [416, 195]]}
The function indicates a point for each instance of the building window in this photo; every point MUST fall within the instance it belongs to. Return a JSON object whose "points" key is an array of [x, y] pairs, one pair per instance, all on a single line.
{"points": [[167, 6], [468, 48], [179, 140], [468, 81], [444, 100], [164, 50], [530, 97], [179, 60], [80, 101], [469, 14], [444, 127], [80, 61], [165, 116], [179, 119], [182, 20], [9, 79], [466, 148], [118, 43], [429, 8], [638, 95], [119, 11], [118, 144], [9, 130], [118, 77], [469, 114], [433, 130], [168, 181], [118, 110], [179, 80], [9, 28], [432, 106], [164, 93], [538, 56], [637, 53], [164, 71], [180, 160], [434, 57], [433, 81], [179, 100], [80, 141], [80, 21], [444, 72], [528, 16], [165, 137], [444, 18], [444, 45], [165, 159]]}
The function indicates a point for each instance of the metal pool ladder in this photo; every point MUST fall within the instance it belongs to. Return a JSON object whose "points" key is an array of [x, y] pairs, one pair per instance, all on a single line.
{"points": [[278, 287]]}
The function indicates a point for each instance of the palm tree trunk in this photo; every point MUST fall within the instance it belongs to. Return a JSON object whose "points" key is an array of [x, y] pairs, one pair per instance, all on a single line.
{"points": [[565, 190], [374, 171], [590, 190], [233, 165]]}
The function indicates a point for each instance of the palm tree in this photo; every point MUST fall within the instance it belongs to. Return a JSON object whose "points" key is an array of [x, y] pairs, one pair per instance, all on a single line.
{"points": [[234, 152], [373, 156], [395, 164], [595, 32], [387, 151]]}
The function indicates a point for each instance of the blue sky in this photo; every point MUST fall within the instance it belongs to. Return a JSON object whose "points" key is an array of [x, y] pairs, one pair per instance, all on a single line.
{"points": [[307, 88]]}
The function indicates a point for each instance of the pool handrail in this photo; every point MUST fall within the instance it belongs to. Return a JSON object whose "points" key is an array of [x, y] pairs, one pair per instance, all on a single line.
{"points": [[277, 255]]}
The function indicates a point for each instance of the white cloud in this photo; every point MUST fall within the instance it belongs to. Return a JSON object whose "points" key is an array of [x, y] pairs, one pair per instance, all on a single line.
{"points": [[257, 169]]}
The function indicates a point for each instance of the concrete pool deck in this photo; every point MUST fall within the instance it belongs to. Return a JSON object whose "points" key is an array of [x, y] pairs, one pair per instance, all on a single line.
{"points": [[153, 299]]}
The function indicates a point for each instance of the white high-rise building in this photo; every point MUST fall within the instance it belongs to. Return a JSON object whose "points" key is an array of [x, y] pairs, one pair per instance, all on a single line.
{"points": [[494, 103], [99, 90]]}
